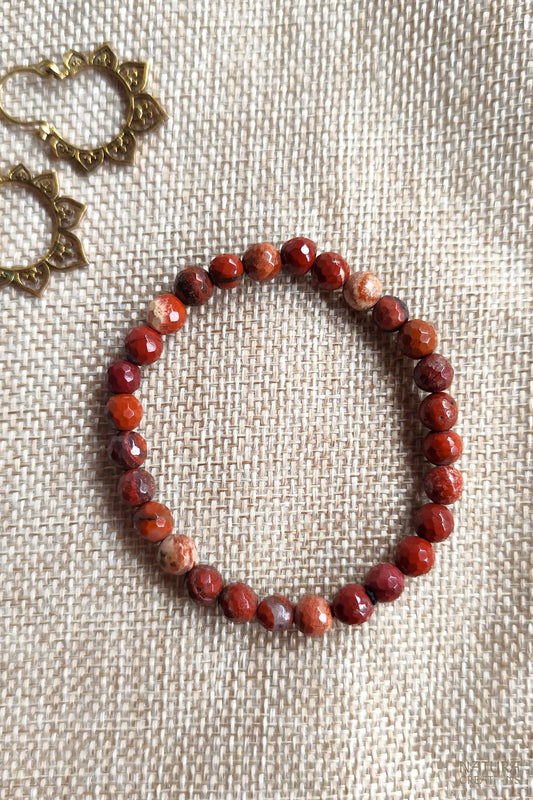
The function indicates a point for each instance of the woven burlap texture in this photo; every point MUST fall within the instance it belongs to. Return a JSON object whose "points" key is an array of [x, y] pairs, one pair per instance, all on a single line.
{"points": [[282, 427]]}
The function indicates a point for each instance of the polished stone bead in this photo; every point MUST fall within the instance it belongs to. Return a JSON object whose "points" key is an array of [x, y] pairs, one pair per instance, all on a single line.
{"points": [[154, 521], [204, 584], [442, 447], [275, 613], [443, 485], [144, 345], [385, 582], [414, 556], [125, 411], [226, 271], [238, 602], [352, 605], [439, 411], [262, 262], [298, 255], [123, 377], [312, 615], [136, 486], [389, 313], [177, 554], [362, 290], [193, 286], [433, 522], [417, 338], [127, 450], [433, 373], [166, 314], [329, 272]]}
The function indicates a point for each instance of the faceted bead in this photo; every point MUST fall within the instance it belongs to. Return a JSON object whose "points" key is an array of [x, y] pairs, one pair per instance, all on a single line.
{"points": [[204, 584], [433, 373], [136, 486], [193, 286], [166, 314], [298, 256], [123, 377], [362, 290], [433, 522], [226, 271], [438, 411], [389, 313], [127, 450], [144, 345], [443, 485], [312, 615], [177, 554], [125, 411], [442, 448], [153, 521], [238, 602], [385, 582], [414, 556], [262, 262], [417, 338], [329, 272], [352, 605], [275, 613]]}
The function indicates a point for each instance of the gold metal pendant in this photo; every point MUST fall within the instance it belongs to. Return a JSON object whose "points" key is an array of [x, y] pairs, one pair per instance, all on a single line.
{"points": [[66, 250], [144, 112]]}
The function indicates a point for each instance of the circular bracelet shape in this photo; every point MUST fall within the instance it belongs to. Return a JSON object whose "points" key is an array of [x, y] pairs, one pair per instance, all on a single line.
{"points": [[312, 614]]}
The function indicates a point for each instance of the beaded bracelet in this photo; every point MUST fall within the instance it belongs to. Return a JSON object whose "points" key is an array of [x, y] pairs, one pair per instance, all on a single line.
{"points": [[354, 603]]}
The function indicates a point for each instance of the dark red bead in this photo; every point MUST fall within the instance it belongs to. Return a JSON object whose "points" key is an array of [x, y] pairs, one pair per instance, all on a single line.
{"points": [[204, 584], [144, 345], [329, 272], [389, 313], [193, 286], [442, 447], [298, 255], [275, 613], [414, 556], [439, 411], [433, 373], [385, 582], [443, 485], [127, 450], [352, 605], [136, 486], [238, 601], [226, 271], [123, 377], [433, 522]]}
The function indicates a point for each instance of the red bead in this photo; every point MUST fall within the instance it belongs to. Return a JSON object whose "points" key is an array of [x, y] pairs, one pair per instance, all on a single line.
{"points": [[329, 272], [123, 377], [275, 613], [385, 582], [226, 271], [127, 449], [166, 314], [389, 313], [238, 602], [433, 522], [153, 521], [438, 411], [312, 615], [298, 255], [193, 286], [136, 486], [414, 556], [204, 584], [443, 485], [433, 373], [352, 605], [144, 345], [417, 338], [442, 448], [125, 411], [262, 262]]}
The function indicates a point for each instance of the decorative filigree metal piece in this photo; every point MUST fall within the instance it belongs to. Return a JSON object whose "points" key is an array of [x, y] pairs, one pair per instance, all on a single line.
{"points": [[144, 112], [66, 251]]}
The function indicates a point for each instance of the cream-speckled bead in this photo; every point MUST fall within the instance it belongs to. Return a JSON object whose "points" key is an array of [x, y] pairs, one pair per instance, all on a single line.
{"points": [[177, 554], [362, 290]]}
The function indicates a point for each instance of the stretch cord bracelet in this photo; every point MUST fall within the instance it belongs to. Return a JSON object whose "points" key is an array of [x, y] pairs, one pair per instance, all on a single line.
{"points": [[313, 614]]}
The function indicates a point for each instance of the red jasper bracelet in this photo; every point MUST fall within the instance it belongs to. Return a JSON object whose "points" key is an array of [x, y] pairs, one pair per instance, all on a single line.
{"points": [[354, 603]]}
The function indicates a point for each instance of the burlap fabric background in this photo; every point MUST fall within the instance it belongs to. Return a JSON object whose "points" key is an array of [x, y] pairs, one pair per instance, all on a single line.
{"points": [[282, 428]]}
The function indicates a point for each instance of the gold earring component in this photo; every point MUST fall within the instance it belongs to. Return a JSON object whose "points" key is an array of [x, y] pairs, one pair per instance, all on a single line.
{"points": [[66, 250], [144, 112]]}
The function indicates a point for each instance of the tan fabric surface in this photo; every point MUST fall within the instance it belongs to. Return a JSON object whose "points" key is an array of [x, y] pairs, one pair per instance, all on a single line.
{"points": [[282, 428]]}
